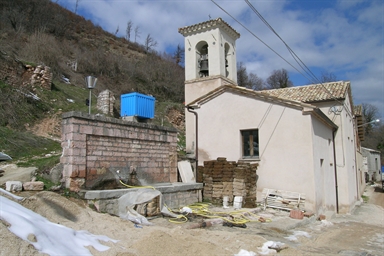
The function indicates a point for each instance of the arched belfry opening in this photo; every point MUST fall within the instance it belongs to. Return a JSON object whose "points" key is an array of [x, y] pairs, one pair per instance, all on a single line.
{"points": [[227, 59], [202, 59]]}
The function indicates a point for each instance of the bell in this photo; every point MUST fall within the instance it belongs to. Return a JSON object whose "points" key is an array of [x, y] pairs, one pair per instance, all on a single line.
{"points": [[204, 65]]}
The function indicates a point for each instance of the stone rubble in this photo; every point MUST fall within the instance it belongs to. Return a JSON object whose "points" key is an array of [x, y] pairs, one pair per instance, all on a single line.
{"points": [[40, 75]]}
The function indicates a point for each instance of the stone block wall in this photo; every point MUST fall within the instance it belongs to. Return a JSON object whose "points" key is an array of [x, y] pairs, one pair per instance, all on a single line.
{"points": [[181, 198], [98, 151]]}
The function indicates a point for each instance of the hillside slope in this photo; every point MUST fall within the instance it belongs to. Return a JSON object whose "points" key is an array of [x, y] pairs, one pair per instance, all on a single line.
{"points": [[41, 35]]}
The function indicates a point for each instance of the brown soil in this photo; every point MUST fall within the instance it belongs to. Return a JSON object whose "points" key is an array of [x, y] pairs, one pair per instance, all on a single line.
{"points": [[360, 233], [176, 118], [49, 127]]}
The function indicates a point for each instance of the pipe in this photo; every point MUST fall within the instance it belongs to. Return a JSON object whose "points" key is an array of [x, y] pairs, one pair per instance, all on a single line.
{"points": [[334, 159], [189, 109], [356, 137]]}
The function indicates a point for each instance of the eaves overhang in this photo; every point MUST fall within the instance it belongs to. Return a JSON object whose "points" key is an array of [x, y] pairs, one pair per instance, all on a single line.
{"points": [[247, 93], [316, 112], [304, 107]]}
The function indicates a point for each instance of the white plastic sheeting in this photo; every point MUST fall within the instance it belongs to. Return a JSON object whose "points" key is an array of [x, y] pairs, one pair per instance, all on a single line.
{"points": [[48, 236], [128, 201]]}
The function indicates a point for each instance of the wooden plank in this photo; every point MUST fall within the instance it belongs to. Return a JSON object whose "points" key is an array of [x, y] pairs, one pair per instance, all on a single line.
{"points": [[281, 199]]}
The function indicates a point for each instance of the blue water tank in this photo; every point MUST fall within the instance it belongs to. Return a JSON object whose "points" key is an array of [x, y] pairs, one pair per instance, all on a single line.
{"points": [[136, 104]]}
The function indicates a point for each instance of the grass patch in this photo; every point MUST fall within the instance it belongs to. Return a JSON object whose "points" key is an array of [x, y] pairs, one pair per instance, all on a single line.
{"points": [[181, 142], [3, 85], [365, 198], [23, 146], [65, 97], [41, 163], [70, 194], [47, 183]]}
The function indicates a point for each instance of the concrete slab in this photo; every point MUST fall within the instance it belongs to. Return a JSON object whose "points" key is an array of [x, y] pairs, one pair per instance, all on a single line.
{"points": [[186, 173], [162, 187]]}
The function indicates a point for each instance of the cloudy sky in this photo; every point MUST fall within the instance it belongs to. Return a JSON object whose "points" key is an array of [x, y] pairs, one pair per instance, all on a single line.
{"points": [[343, 37]]}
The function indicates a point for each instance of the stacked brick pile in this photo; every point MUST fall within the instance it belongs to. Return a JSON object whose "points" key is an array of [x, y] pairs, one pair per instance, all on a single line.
{"points": [[206, 172], [239, 179], [224, 178], [244, 183], [200, 170]]}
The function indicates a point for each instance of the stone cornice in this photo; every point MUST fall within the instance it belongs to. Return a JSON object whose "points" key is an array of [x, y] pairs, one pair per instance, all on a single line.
{"points": [[107, 119], [209, 25]]}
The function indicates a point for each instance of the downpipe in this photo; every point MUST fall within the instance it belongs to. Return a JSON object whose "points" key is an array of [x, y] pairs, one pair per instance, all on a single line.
{"points": [[190, 109]]}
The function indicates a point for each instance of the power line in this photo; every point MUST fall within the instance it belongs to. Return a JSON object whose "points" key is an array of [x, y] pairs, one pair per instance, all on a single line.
{"points": [[293, 54], [259, 39], [295, 57], [271, 28]]}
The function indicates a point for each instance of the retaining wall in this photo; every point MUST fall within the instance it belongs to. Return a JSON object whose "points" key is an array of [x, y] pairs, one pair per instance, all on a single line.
{"points": [[98, 151]]}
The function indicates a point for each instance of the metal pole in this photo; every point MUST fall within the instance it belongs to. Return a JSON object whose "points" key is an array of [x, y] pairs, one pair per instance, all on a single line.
{"points": [[90, 101]]}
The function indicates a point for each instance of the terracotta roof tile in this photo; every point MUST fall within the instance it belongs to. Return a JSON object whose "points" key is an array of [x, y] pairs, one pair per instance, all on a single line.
{"points": [[358, 110], [312, 93]]}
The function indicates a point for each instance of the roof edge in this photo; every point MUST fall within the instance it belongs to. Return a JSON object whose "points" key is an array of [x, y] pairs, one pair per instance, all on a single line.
{"points": [[244, 91], [209, 25], [316, 112]]}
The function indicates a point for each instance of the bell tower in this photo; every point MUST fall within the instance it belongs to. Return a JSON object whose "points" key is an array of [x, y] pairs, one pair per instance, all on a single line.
{"points": [[210, 62], [210, 57]]}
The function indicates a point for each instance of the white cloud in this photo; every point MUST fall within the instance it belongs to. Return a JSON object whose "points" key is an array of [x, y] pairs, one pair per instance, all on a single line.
{"points": [[343, 37]]}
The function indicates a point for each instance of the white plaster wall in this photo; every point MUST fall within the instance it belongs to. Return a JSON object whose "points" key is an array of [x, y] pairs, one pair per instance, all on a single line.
{"points": [[194, 90], [347, 176], [285, 141], [360, 172], [324, 169], [373, 164]]}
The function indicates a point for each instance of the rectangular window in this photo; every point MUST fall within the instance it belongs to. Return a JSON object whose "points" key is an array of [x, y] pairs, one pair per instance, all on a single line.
{"points": [[250, 141]]}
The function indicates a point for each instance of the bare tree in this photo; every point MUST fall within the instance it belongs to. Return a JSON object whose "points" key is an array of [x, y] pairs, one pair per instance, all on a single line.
{"points": [[370, 113], [128, 31], [327, 77], [77, 5], [179, 54], [279, 79], [242, 75], [256, 83], [137, 33], [117, 30], [375, 139], [149, 42]]}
